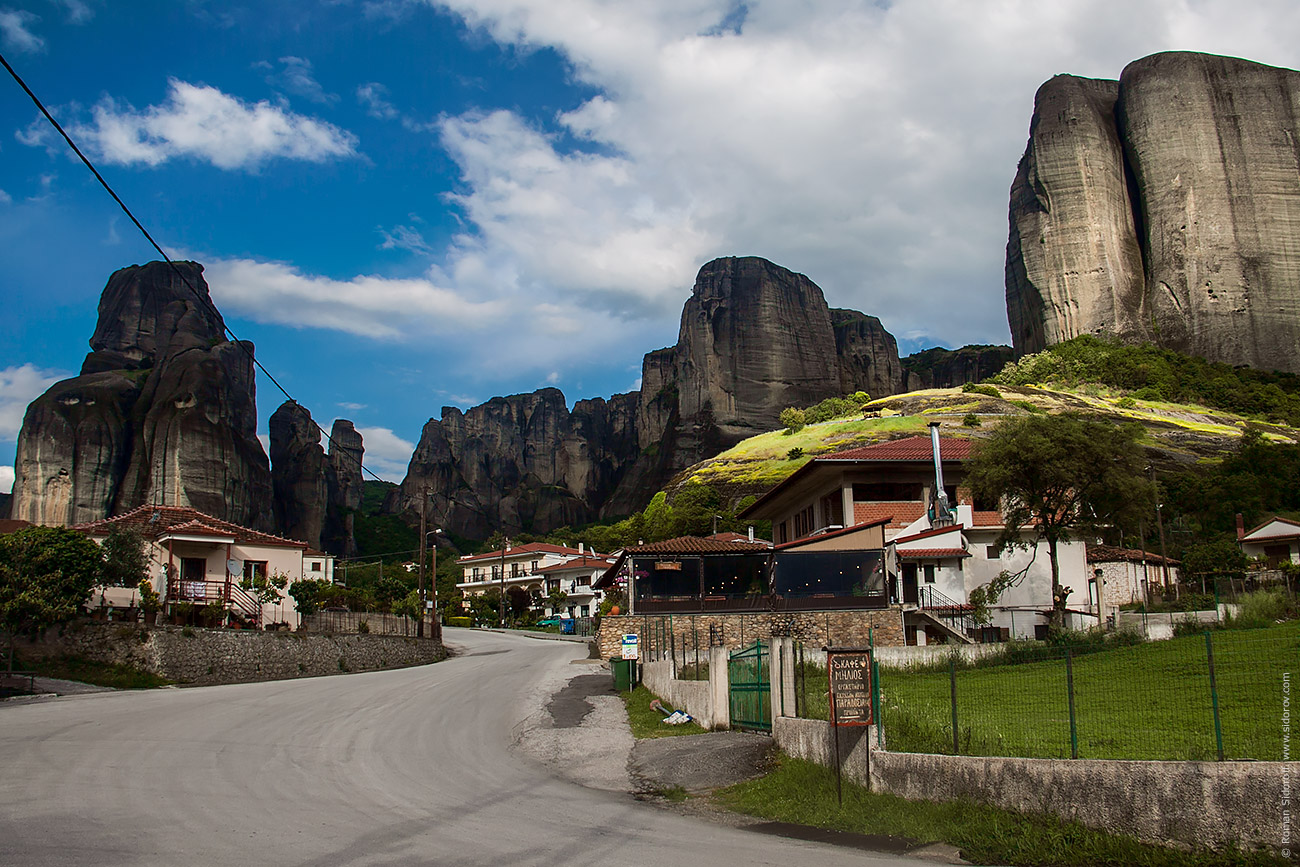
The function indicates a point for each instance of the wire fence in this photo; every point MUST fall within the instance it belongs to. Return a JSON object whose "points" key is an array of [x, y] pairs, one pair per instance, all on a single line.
{"points": [[1205, 696], [363, 622]]}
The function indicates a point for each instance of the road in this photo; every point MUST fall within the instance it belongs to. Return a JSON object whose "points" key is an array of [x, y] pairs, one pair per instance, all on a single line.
{"points": [[403, 767]]}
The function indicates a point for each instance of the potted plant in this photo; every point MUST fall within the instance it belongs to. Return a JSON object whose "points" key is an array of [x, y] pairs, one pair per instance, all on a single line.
{"points": [[149, 602]]}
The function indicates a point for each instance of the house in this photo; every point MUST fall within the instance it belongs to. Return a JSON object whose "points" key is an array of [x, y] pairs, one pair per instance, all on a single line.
{"points": [[937, 543], [691, 574], [196, 559], [574, 578], [521, 569], [1277, 540], [1121, 576]]}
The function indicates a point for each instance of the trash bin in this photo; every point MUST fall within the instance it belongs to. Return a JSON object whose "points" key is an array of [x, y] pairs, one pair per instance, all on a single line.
{"points": [[624, 673], [566, 626]]}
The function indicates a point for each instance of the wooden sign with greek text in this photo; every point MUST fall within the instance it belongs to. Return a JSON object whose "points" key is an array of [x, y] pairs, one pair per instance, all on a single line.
{"points": [[850, 679]]}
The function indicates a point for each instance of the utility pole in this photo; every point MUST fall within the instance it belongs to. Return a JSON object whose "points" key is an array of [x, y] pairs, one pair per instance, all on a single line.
{"points": [[419, 623], [1160, 524], [501, 603], [433, 586]]}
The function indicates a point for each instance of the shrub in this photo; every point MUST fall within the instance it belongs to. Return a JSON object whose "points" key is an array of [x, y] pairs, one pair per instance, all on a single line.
{"points": [[363, 627], [792, 420], [971, 420], [458, 621], [986, 390], [1027, 406], [794, 454], [1126, 402]]}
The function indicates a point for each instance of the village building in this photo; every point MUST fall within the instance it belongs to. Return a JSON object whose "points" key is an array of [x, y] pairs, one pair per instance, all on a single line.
{"points": [[1123, 576], [196, 559], [522, 569], [1276, 541]]}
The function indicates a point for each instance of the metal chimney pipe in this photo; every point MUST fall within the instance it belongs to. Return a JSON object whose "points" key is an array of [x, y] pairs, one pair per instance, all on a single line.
{"points": [[942, 513]]}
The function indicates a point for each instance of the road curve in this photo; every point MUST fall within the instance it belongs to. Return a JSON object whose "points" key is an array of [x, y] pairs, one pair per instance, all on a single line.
{"points": [[403, 767]]}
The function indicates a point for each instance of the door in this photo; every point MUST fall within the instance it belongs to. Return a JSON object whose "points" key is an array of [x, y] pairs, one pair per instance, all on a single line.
{"points": [[751, 689], [911, 596]]}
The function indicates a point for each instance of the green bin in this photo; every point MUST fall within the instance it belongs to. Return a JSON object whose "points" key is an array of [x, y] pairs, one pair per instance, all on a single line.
{"points": [[624, 673]]}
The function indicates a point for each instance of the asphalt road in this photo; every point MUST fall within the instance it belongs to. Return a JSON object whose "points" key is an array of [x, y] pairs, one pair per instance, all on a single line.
{"points": [[402, 767]]}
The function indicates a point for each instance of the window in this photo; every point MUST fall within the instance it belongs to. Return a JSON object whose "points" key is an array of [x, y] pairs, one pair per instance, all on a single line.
{"points": [[782, 533], [496, 573], [803, 523], [993, 552], [315, 565], [928, 568], [254, 569], [477, 574], [833, 509]]}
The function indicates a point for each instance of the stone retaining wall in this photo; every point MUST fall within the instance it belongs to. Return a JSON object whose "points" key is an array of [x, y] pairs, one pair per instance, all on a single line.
{"points": [[851, 627], [1187, 803], [192, 655]]}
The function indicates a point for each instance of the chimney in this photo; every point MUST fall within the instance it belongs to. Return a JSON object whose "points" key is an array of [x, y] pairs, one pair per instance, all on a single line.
{"points": [[751, 532], [579, 547], [1241, 527]]}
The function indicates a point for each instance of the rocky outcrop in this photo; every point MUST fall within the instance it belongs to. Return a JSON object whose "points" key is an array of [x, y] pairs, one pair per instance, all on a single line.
{"points": [[754, 339], [163, 412], [298, 474], [953, 368], [1162, 207], [344, 482]]}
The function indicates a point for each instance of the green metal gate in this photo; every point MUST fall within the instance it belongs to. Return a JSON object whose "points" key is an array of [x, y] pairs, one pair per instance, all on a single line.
{"points": [[751, 689]]}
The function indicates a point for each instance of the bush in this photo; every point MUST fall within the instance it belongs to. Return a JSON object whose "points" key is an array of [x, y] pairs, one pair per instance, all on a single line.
{"points": [[363, 627], [792, 420], [971, 420], [458, 621], [1126, 402], [1264, 607], [986, 390], [794, 454], [1027, 406]]}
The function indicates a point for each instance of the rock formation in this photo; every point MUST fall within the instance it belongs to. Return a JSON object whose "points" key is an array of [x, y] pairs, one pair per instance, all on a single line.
{"points": [[163, 412], [952, 368], [754, 339], [343, 482], [1162, 207], [298, 474], [316, 495]]}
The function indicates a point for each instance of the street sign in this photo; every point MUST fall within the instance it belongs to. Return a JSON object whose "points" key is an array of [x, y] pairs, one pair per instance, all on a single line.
{"points": [[631, 646], [850, 680]]}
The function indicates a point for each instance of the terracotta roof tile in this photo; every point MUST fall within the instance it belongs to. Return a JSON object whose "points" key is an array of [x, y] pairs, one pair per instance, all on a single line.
{"points": [[900, 514], [925, 534], [580, 563], [989, 518], [696, 545], [906, 449], [932, 553], [1112, 554], [154, 521]]}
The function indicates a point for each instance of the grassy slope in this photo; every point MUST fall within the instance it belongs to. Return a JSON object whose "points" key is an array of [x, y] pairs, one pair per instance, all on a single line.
{"points": [[1178, 433], [1148, 701]]}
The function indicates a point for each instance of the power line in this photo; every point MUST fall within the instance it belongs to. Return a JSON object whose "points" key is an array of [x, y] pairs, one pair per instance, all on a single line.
{"points": [[203, 300]]}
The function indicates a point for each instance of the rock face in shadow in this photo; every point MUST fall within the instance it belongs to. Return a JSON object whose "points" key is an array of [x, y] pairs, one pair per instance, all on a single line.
{"points": [[1162, 207], [163, 412], [953, 368], [298, 474], [754, 339], [343, 481]]}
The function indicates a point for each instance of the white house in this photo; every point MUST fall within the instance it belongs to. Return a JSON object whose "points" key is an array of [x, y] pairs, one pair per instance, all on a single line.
{"points": [[574, 578], [524, 569], [197, 559], [1277, 540]]}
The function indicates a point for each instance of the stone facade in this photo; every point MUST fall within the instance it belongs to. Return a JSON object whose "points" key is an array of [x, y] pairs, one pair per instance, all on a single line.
{"points": [[201, 657], [844, 628]]}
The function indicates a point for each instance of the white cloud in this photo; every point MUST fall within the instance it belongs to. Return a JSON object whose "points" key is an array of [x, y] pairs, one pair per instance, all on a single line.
{"points": [[6, 479], [19, 386], [405, 238], [297, 76], [5, 198], [347, 404], [374, 97], [15, 31], [386, 454], [202, 123], [76, 11], [365, 305], [869, 145]]}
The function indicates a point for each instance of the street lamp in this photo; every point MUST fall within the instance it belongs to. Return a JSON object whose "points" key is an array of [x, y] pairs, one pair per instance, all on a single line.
{"points": [[433, 584]]}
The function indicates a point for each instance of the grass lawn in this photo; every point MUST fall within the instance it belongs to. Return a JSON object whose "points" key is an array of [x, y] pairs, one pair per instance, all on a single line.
{"points": [[646, 722], [1148, 701], [804, 793], [87, 671]]}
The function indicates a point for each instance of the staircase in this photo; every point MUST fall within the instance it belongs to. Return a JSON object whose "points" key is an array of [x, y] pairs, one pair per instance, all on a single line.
{"points": [[949, 616], [243, 602]]}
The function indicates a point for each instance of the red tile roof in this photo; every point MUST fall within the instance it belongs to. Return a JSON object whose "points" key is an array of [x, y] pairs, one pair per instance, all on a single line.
{"points": [[1112, 554], [155, 521], [932, 553], [906, 449], [1270, 521], [736, 537], [13, 525], [990, 518], [580, 563], [925, 534], [517, 550], [696, 545], [899, 514]]}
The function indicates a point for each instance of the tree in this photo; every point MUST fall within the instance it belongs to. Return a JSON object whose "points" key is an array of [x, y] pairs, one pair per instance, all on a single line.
{"points": [[46, 574], [792, 419], [126, 559], [266, 589], [555, 600], [408, 606], [1063, 477], [306, 594]]}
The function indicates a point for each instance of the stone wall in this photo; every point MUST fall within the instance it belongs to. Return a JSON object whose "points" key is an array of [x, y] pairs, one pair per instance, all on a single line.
{"points": [[1184, 803], [191, 655], [844, 628]]}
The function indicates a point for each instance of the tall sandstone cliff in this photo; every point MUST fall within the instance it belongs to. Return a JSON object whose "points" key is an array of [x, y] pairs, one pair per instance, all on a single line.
{"points": [[163, 412], [754, 339], [1164, 207], [316, 494]]}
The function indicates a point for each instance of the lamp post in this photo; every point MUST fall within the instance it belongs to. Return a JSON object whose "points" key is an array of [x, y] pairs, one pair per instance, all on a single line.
{"points": [[433, 585], [501, 603], [424, 539]]}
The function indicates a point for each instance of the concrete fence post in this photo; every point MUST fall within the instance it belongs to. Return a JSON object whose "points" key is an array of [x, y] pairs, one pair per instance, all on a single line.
{"points": [[719, 689]]}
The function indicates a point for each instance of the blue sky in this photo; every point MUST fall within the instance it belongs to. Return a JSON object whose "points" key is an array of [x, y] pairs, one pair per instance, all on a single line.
{"points": [[410, 204]]}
